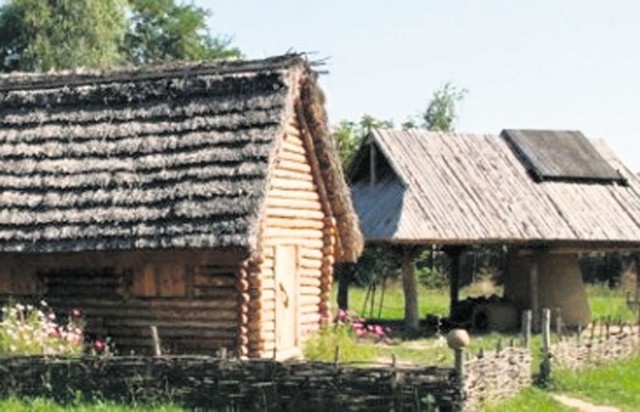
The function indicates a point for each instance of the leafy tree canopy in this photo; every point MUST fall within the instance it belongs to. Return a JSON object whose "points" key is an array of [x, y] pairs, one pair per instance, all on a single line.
{"points": [[441, 112], [160, 30], [41, 35]]}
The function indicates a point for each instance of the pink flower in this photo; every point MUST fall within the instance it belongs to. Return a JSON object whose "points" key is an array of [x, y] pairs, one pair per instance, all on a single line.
{"points": [[74, 338], [76, 313], [53, 332], [99, 345]]}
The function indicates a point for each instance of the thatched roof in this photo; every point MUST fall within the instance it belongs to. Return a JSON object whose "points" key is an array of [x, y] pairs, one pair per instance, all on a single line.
{"points": [[173, 156], [438, 188]]}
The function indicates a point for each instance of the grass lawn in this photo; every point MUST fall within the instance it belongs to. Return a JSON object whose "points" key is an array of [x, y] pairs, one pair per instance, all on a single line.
{"points": [[434, 301], [604, 302], [46, 405], [617, 384], [529, 400], [611, 303]]}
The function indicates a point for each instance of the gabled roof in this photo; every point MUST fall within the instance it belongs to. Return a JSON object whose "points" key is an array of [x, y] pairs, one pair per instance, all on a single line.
{"points": [[172, 156], [447, 188]]}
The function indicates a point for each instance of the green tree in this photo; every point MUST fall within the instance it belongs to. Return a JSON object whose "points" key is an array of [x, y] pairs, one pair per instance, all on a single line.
{"points": [[161, 30], [38, 35], [41, 35], [441, 114], [348, 136]]}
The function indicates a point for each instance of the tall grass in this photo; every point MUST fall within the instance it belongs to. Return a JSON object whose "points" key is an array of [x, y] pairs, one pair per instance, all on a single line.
{"points": [[322, 346], [610, 303]]}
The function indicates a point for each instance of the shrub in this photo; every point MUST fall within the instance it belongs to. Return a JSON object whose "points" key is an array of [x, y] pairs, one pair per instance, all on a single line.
{"points": [[28, 330], [351, 335]]}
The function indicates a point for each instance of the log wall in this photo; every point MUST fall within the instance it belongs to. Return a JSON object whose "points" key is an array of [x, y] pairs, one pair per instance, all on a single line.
{"points": [[193, 303], [295, 214]]}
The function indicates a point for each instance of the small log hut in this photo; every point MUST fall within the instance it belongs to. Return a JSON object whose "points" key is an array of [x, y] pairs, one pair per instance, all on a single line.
{"points": [[547, 195], [205, 199]]}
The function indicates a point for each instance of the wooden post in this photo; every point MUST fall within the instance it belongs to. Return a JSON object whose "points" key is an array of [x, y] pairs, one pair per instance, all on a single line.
{"points": [[344, 278], [533, 289], [156, 341], [527, 318], [372, 163], [459, 363], [636, 260], [559, 325], [454, 253], [410, 289], [546, 329], [545, 367]]}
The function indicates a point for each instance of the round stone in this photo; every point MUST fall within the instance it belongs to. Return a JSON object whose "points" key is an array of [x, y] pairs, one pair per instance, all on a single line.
{"points": [[458, 338]]}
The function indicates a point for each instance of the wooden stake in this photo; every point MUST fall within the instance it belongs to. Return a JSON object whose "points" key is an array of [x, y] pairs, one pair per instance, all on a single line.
{"points": [[156, 341], [559, 325], [546, 330], [545, 367], [527, 318], [459, 363]]}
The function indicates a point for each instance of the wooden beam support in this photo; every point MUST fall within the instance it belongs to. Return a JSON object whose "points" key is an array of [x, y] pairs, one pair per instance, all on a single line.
{"points": [[345, 273], [533, 290], [454, 253], [372, 163], [410, 289]]}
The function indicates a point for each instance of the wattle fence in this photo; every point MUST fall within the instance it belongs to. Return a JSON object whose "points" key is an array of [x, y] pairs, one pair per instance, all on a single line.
{"points": [[229, 384], [209, 383]]}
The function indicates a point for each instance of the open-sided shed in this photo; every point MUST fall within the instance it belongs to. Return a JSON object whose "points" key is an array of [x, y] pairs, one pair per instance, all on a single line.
{"points": [[203, 198], [545, 194]]}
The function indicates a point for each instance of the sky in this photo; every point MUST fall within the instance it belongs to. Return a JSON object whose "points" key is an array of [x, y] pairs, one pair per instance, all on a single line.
{"points": [[558, 64]]}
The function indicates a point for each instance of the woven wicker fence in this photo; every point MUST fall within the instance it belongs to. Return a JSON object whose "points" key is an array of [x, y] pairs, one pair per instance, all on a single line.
{"points": [[224, 384]]}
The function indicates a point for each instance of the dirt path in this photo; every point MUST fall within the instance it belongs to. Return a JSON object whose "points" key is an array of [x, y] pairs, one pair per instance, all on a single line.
{"points": [[581, 405]]}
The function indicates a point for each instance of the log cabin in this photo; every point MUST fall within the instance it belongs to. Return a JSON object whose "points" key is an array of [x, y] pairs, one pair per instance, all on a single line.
{"points": [[546, 196], [205, 199]]}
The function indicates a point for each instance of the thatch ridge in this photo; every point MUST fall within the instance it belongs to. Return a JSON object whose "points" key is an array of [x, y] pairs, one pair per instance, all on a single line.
{"points": [[44, 80], [350, 237]]}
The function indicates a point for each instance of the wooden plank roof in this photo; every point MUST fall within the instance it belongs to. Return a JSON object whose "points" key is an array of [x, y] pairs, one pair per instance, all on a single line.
{"points": [[173, 156], [473, 189]]}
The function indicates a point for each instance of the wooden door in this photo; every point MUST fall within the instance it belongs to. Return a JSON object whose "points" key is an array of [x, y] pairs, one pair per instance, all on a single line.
{"points": [[286, 277]]}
